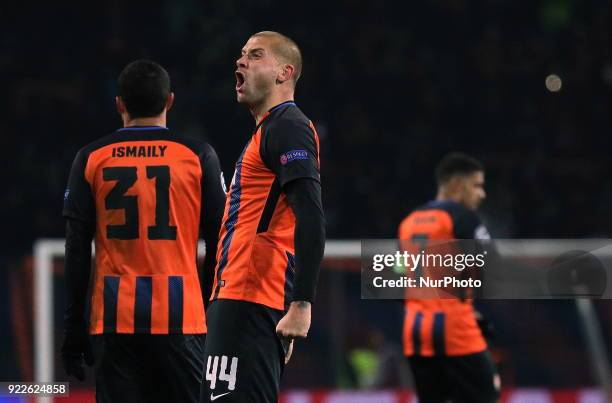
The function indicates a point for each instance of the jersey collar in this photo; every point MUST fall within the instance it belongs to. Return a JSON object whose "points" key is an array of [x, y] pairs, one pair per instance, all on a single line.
{"points": [[274, 109], [442, 202], [141, 128], [281, 105]]}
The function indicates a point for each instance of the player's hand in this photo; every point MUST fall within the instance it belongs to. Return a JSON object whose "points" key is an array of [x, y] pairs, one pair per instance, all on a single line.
{"points": [[76, 348], [296, 322]]}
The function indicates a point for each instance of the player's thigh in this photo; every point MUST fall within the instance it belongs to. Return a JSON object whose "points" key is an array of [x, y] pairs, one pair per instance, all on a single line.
{"points": [[118, 369], [473, 378], [178, 360], [243, 356], [430, 379]]}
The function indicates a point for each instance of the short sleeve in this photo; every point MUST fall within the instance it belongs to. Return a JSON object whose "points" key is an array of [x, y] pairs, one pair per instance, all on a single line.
{"points": [[290, 150], [78, 198]]}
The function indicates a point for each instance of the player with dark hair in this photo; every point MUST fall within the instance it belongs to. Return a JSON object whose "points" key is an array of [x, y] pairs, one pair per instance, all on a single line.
{"points": [[144, 193], [272, 236], [442, 338]]}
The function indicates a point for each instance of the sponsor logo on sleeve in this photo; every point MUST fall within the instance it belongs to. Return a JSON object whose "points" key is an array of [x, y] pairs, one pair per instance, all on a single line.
{"points": [[293, 155]]}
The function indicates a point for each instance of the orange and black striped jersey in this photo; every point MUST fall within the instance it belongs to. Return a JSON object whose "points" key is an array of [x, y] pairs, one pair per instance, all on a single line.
{"points": [[146, 191], [255, 256], [444, 326]]}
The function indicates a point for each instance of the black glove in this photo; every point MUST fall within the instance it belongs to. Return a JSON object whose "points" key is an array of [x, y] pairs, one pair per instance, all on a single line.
{"points": [[76, 348], [486, 327]]}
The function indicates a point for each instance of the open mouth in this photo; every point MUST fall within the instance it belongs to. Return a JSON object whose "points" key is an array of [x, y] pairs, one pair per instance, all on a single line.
{"points": [[239, 80]]}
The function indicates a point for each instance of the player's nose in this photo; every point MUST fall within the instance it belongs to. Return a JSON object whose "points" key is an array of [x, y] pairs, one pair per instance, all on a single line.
{"points": [[241, 61]]}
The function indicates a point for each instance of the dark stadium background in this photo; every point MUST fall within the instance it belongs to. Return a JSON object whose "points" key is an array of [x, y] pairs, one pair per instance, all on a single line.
{"points": [[391, 88]]}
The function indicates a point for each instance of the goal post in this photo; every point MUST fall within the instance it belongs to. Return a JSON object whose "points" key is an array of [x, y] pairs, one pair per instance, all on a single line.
{"points": [[45, 250]]}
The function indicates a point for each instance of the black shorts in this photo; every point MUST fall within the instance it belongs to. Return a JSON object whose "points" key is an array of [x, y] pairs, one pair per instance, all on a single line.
{"points": [[244, 358], [462, 379], [148, 368]]}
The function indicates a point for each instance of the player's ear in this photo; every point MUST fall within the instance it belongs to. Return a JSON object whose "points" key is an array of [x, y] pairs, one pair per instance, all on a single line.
{"points": [[169, 101], [120, 105], [285, 74], [455, 184]]}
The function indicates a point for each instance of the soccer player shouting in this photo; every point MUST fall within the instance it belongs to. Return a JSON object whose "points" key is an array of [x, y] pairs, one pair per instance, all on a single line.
{"points": [[272, 236], [145, 193]]}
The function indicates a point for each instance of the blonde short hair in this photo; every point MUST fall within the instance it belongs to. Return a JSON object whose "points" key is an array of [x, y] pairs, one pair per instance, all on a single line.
{"points": [[286, 50]]}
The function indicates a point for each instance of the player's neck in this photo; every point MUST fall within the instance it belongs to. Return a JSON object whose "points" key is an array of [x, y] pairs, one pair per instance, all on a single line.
{"points": [[442, 195], [149, 121], [259, 111]]}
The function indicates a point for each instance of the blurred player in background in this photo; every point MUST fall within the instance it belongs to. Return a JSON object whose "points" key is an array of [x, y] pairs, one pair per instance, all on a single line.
{"points": [[273, 233], [442, 339], [144, 193]]}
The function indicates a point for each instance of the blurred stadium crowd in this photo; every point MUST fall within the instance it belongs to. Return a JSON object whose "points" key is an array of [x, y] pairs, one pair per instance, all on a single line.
{"points": [[390, 88], [390, 91]]}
